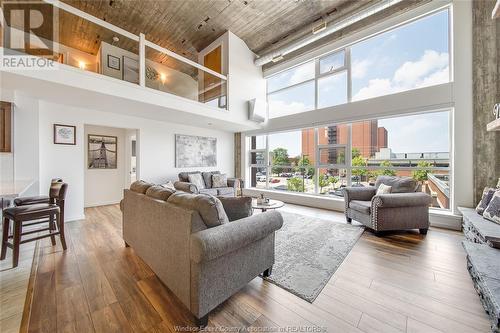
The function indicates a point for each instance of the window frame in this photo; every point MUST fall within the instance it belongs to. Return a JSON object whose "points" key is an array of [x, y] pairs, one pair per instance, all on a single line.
{"points": [[347, 58], [348, 167]]}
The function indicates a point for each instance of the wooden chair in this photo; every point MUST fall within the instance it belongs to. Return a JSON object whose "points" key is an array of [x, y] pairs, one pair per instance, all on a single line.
{"points": [[29, 215]]}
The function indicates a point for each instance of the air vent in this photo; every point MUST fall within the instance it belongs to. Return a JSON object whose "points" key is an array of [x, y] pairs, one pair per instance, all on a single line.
{"points": [[320, 27]]}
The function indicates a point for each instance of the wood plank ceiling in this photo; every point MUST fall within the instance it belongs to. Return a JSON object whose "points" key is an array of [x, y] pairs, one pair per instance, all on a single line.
{"points": [[188, 26]]}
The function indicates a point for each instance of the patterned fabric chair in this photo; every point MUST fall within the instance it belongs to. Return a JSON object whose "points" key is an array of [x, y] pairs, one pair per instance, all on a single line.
{"points": [[404, 208]]}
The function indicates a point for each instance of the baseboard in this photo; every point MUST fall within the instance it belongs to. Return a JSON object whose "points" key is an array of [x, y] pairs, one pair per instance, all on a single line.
{"points": [[437, 218], [102, 203], [75, 218]]}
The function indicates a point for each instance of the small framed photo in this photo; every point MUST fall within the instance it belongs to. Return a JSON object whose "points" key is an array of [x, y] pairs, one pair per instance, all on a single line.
{"points": [[113, 62], [64, 134]]}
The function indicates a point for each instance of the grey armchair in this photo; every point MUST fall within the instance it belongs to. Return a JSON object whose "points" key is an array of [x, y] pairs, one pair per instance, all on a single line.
{"points": [[404, 208]]}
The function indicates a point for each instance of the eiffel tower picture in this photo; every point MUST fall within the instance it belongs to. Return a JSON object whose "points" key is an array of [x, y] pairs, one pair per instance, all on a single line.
{"points": [[102, 152]]}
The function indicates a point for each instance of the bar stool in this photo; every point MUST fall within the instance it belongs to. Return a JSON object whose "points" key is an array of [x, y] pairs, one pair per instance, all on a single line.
{"points": [[23, 201], [20, 214]]}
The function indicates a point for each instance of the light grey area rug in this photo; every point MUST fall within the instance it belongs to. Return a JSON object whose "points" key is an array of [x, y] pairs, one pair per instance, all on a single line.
{"points": [[308, 251]]}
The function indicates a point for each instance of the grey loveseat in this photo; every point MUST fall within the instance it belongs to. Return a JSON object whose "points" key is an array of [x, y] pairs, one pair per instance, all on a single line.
{"points": [[230, 191], [404, 208], [189, 243]]}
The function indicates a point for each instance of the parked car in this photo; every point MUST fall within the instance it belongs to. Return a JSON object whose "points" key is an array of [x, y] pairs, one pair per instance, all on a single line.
{"points": [[274, 180], [261, 178]]}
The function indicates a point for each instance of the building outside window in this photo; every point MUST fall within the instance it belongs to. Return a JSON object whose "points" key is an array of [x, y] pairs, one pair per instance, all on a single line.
{"points": [[323, 160]]}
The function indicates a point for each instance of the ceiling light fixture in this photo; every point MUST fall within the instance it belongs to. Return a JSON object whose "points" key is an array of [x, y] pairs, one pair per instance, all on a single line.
{"points": [[277, 58], [317, 29]]}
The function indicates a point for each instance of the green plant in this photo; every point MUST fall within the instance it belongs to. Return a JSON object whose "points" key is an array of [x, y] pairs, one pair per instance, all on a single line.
{"points": [[325, 180], [305, 165], [279, 157], [420, 175], [357, 162], [386, 172], [295, 184], [355, 152]]}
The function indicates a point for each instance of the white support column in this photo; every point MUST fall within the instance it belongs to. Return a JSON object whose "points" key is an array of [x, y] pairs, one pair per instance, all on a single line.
{"points": [[142, 60]]}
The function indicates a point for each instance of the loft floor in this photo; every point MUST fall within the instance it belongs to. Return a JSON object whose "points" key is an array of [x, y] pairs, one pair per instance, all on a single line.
{"points": [[399, 283]]}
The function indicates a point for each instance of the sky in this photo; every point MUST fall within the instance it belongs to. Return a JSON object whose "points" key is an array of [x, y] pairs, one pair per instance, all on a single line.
{"points": [[408, 57]]}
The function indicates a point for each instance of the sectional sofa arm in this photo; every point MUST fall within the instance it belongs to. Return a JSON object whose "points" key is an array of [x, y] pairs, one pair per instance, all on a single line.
{"points": [[218, 241], [186, 187], [359, 193], [402, 200]]}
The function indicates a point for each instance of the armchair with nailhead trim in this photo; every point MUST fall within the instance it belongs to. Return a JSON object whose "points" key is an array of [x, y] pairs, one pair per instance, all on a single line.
{"points": [[402, 209]]}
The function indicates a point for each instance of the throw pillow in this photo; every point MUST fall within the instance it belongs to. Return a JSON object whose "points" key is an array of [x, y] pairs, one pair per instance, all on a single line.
{"points": [[169, 185], [485, 200], [384, 189], [209, 207], [492, 212], [196, 179], [219, 180], [159, 192], [237, 208], [140, 186], [207, 177]]}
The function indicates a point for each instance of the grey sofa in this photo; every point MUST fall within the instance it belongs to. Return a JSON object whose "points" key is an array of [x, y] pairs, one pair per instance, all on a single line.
{"points": [[194, 249], [404, 208], [230, 191]]}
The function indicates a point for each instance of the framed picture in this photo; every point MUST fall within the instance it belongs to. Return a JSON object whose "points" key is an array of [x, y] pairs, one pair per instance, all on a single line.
{"points": [[64, 134], [102, 152], [130, 70], [195, 151], [113, 62]]}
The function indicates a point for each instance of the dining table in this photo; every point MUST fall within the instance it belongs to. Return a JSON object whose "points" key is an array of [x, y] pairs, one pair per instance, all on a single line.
{"points": [[11, 189]]}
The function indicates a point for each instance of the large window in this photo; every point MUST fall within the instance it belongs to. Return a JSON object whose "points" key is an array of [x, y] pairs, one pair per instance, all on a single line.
{"points": [[322, 160], [394, 61]]}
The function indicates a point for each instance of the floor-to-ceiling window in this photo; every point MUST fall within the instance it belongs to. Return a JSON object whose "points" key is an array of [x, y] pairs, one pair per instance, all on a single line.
{"points": [[322, 160]]}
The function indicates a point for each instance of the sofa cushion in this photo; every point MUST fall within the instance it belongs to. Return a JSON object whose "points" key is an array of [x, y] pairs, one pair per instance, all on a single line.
{"points": [[225, 191], [159, 192], [383, 189], [492, 212], [398, 184], [210, 191], [237, 208], [207, 178], [209, 207], [219, 180], [140, 186], [485, 199], [197, 179], [184, 176], [169, 184], [361, 206]]}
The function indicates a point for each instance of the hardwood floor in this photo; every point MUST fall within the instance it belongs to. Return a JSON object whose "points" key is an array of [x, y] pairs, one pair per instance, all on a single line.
{"points": [[402, 282]]}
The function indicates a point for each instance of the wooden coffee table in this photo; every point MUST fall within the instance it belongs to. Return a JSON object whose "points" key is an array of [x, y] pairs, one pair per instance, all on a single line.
{"points": [[273, 204]]}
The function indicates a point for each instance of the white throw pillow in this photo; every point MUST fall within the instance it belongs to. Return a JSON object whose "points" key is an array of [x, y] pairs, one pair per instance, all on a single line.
{"points": [[384, 189], [197, 179], [169, 185], [219, 180]]}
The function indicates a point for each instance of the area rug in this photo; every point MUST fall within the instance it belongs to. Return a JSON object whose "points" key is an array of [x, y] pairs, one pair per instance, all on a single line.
{"points": [[308, 251]]}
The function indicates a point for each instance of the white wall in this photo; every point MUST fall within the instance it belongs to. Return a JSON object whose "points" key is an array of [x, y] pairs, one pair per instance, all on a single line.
{"points": [[245, 80], [105, 186], [176, 82], [156, 149], [26, 149]]}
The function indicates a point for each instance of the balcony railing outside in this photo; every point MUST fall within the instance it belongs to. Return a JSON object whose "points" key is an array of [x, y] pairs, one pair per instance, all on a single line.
{"points": [[97, 46]]}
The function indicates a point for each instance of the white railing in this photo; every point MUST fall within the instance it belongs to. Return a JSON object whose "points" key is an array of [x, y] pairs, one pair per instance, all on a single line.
{"points": [[206, 84]]}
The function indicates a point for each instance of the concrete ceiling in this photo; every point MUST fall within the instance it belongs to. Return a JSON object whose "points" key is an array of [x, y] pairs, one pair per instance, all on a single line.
{"points": [[188, 26]]}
